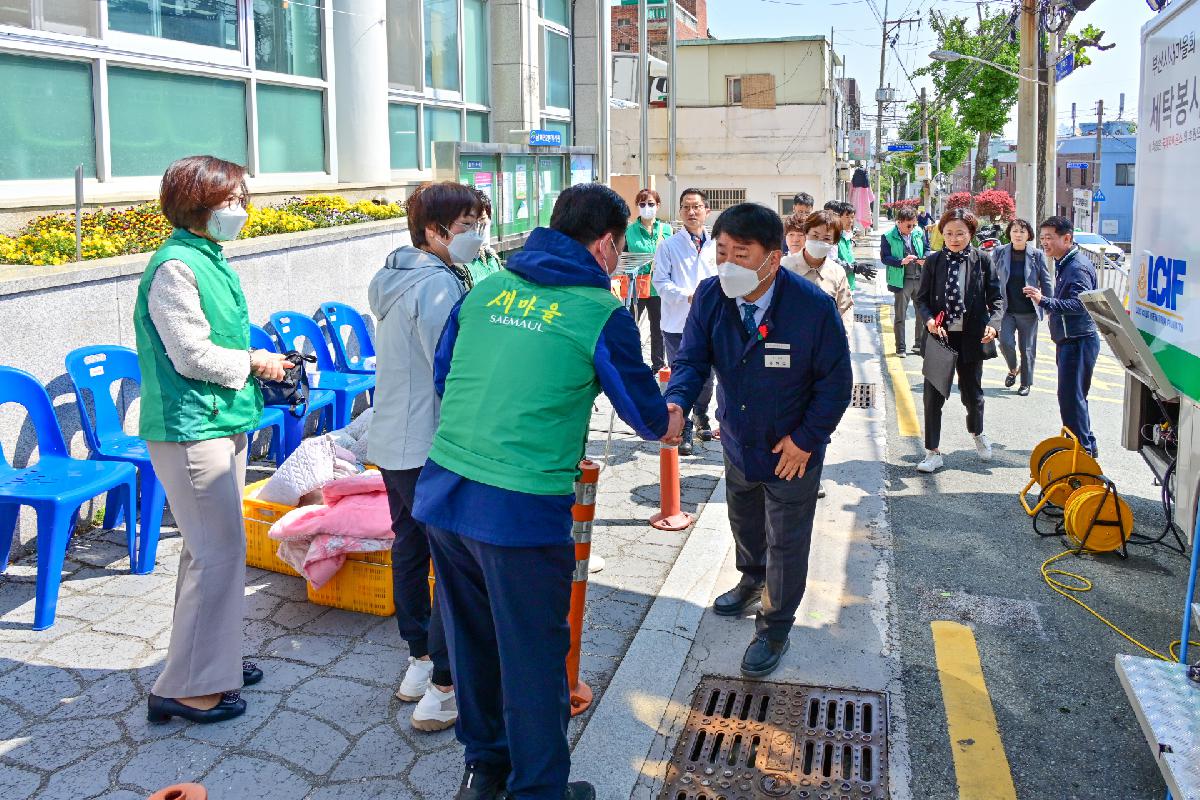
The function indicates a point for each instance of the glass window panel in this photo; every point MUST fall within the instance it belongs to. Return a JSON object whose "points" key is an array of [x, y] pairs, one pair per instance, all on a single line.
{"points": [[404, 43], [441, 45], [550, 185], [287, 37], [291, 129], [557, 11], [158, 117], [75, 17], [39, 144], [402, 124], [477, 127], [475, 52], [209, 22], [441, 125], [562, 127], [558, 71]]}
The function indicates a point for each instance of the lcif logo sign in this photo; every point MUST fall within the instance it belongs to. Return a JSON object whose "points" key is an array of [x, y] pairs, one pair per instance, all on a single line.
{"points": [[1161, 282]]}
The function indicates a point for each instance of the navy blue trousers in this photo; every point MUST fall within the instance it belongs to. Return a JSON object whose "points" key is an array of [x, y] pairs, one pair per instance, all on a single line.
{"points": [[505, 613], [1076, 360]]}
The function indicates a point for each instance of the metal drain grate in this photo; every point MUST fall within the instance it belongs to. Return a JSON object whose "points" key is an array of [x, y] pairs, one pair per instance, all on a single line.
{"points": [[867, 318], [862, 395], [750, 740]]}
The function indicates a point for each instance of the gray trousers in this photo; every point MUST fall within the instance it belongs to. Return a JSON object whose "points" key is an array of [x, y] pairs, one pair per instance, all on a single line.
{"points": [[1022, 327], [904, 298], [672, 341], [772, 528], [204, 483]]}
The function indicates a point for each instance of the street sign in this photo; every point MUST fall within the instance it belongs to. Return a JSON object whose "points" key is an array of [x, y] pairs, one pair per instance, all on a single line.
{"points": [[860, 144], [1077, 165], [900, 148], [1065, 66], [1098, 197], [545, 138]]}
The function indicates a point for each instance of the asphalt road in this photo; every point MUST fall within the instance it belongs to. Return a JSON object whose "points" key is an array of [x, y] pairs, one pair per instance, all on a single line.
{"points": [[965, 551]]}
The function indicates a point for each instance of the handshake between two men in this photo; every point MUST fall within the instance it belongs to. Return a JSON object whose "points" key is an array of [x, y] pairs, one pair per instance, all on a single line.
{"points": [[793, 460]]}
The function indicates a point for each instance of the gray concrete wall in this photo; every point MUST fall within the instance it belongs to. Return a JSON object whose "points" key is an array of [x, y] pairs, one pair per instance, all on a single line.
{"points": [[45, 312]]}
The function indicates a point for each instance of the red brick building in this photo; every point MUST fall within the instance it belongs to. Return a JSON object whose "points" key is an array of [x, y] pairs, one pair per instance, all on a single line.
{"points": [[691, 22]]}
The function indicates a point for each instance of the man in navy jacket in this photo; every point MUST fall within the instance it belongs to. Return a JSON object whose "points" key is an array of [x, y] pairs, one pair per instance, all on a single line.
{"points": [[779, 350], [1071, 327]]}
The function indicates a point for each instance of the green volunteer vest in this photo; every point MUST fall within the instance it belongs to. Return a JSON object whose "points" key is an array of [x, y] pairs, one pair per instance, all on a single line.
{"points": [[640, 240], [179, 409], [895, 275], [519, 393], [846, 256]]}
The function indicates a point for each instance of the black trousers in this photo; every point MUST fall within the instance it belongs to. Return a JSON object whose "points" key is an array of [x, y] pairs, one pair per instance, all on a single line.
{"points": [[506, 624], [420, 621], [970, 391], [653, 307], [772, 528]]}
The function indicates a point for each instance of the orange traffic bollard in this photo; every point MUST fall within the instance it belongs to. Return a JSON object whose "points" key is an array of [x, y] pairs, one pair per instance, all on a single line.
{"points": [[582, 514], [670, 516], [181, 791]]}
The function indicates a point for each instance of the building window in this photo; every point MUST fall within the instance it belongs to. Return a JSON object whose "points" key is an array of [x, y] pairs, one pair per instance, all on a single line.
{"points": [[404, 43], [475, 52], [405, 138], [1125, 174], [74, 17], [721, 199], [623, 47], [558, 70], [441, 125], [733, 90], [158, 117], [212, 22], [557, 11], [291, 129], [38, 144], [478, 127], [624, 22], [562, 126], [441, 45], [1083, 177], [287, 37]]}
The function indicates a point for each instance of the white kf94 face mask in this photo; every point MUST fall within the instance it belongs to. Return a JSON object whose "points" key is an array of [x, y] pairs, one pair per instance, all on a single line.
{"points": [[817, 249], [464, 247], [738, 281], [224, 224]]}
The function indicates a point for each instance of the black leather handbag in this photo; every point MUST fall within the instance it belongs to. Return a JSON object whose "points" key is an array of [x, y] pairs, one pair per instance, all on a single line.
{"points": [[293, 390]]}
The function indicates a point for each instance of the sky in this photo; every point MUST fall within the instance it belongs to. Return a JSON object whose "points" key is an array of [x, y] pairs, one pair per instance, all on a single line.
{"points": [[856, 36]]}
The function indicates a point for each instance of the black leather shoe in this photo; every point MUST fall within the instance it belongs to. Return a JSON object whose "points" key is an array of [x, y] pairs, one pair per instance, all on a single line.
{"points": [[735, 602], [703, 429], [161, 709], [581, 790], [481, 782], [1023, 391], [1009, 380], [688, 444], [762, 656], [251, 674]]}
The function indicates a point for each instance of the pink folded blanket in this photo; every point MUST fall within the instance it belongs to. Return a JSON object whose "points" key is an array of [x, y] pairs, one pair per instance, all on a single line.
{"points": [[355, 518]]}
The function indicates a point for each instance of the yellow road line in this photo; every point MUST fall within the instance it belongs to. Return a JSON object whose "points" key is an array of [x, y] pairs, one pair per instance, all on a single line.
{"points": [[906, 408], [979, 760], [1093, 397]]}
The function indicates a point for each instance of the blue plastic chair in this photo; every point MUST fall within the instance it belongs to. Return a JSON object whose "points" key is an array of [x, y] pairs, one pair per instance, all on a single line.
{"points": [[292, 327], [342, 322], [55, 487], [319, 400]]}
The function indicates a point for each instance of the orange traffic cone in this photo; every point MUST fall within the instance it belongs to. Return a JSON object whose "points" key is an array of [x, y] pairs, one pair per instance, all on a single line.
{"points": [[670, 516], [181, 791]]}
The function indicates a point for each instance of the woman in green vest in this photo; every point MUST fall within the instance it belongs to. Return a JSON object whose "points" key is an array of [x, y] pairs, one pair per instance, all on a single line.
{"points": [[643, 236], [488, 260], [198, 402]]}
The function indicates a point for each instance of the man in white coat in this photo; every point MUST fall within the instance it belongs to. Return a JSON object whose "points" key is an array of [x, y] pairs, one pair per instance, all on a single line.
{"points": [[680, 263]]}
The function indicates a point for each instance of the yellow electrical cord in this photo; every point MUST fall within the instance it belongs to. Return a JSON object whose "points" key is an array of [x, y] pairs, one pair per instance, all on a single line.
{"points": [[1085, 585]]}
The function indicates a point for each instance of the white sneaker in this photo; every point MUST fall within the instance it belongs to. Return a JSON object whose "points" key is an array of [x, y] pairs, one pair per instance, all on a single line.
{"points": [[595, 563], [437, 710], [932, 463], [983, 446], [416, 680]]}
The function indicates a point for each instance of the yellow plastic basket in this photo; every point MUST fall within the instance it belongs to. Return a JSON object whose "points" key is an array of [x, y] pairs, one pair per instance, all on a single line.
{"points": [[259, 517], [362, 584]]}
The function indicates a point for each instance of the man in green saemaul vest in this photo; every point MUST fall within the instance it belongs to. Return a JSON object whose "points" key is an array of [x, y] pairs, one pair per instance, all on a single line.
{"points": [[519, 363], [902, 250]]}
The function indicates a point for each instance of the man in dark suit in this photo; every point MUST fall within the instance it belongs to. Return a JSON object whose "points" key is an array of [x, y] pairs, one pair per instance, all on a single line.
{"points": [[1071, 327], [778, 347]]}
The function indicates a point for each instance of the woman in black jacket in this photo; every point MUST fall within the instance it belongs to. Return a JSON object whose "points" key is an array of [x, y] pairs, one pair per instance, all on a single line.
{"points": [[960, 297]]}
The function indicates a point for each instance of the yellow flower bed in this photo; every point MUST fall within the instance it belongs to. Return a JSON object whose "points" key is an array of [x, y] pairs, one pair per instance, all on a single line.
{"points": [[50, 239]]}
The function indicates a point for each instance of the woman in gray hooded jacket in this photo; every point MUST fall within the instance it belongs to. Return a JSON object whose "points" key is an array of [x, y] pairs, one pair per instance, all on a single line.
{"points": [[411, 297]]}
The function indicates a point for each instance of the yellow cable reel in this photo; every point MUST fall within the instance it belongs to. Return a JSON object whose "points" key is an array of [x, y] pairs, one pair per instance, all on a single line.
{"points": [[1108, 515], [1049, 463]]}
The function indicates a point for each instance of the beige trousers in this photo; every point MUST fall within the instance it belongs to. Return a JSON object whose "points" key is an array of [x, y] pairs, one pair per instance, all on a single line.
{"points": [[204, 482]]}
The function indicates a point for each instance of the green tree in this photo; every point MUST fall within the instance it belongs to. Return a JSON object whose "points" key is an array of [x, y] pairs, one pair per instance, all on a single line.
{"points": [[981, 96]]}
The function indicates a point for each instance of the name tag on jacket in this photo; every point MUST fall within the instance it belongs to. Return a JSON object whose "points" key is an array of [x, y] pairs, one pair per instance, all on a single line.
{"points": [[784, 361]]}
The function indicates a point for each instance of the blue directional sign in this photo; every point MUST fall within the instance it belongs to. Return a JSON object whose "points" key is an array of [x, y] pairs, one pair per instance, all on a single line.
{"points": [[1077, 165], [1065, 66], [900, 148], [1098, 197], [545, 138]]}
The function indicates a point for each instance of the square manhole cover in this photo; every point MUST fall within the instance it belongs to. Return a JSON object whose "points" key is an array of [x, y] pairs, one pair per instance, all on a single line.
{"points": [[752, 740], [862, 395]]}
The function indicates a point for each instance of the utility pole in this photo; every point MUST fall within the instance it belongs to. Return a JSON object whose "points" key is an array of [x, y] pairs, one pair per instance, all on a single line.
{"points": [[925, 149], [937, 156], [1072, 119], [1048, 194], [1096, 165], [643, 83], [1027, 115], [879, 98], [672, 107]]}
